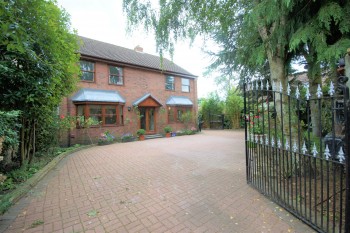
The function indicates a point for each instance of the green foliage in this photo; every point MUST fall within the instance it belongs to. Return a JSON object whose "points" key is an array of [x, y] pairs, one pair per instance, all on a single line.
{"points": [[127, 137], [233, 107], [140, 132], [8, 184], [106, 138], [186, 118], [38, 66], [36, 223], [168, 129], [9, 128], [210, 105]]}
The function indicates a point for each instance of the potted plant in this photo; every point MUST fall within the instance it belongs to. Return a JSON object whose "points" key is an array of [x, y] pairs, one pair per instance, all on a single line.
{"points": [[167, 130], [141, 134]]}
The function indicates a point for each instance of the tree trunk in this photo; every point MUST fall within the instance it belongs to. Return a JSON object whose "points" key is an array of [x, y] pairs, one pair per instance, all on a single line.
{"points": [[314, 74]]}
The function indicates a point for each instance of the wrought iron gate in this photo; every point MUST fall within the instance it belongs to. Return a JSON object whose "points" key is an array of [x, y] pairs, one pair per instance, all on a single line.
{"points": [[297, 150]]}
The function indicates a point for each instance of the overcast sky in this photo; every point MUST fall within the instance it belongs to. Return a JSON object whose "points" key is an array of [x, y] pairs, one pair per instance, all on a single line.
{"points": [[104, 20]]}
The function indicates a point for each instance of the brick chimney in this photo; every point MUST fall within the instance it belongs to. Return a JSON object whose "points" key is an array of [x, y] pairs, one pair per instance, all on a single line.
{"points": [[139, 49]]}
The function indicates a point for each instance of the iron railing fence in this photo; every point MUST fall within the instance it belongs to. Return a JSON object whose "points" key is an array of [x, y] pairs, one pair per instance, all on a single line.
{"points": [[297, 150]]}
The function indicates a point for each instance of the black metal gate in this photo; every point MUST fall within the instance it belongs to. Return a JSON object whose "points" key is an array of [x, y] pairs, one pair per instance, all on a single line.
{"points": [[297, 150]]}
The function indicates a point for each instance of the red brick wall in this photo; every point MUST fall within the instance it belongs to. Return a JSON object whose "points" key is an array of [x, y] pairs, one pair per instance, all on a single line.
{"points": [[137, 82]]}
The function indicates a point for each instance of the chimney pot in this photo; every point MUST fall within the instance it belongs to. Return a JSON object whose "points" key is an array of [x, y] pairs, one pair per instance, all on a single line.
{"points": [[139, 49]]}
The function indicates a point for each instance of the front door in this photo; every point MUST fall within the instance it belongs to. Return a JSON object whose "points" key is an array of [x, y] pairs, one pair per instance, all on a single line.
{"points": [[147, 119]]}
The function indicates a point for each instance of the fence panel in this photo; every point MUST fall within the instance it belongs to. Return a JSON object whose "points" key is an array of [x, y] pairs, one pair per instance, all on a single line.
{"points": [[297, 150]]}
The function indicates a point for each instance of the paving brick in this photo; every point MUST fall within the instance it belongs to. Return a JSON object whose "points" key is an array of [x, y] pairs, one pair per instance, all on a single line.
{"points": [[183, 184]]}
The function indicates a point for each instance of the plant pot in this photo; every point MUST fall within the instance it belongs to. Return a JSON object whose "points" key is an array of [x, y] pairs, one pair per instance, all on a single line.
{"points": [[167, 135], [141, 137]]}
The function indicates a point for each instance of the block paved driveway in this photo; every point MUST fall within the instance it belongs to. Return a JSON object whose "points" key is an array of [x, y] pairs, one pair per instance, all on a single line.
{"points": [[182, 184]]}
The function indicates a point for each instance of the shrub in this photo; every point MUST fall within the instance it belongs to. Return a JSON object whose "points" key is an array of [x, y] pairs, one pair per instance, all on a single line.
{"points": [[167, 129]]}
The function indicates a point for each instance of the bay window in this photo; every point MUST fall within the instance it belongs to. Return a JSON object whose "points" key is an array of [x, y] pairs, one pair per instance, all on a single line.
{"points": [[104, 114]]}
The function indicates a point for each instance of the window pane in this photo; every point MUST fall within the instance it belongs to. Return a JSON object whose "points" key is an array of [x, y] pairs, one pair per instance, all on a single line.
{"points": [[87, 76], [169, 83], [87, 69], [80, 110], [113, 79], [110, 115], [185, 89], [95, 109], [185, 81], [115, 75], [98, 119], [179, 114], [86, 66], [121, 116], [171, 115], [185, 85], [115, 70]]}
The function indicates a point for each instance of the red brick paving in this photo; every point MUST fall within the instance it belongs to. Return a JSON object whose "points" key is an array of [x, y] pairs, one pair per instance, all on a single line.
{"points": [[182, 184]]}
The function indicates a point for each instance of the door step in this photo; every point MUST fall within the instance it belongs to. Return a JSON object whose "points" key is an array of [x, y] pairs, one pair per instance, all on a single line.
{"points": [[153, 136]]}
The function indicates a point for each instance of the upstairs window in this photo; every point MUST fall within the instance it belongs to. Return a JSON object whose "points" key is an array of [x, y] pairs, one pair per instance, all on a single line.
{"points": [[88, 70], [170, 83], [185, 85], [115, 75]]}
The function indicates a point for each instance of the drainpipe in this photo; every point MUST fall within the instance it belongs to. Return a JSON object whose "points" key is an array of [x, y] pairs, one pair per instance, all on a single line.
{"points": [[69, 130]]}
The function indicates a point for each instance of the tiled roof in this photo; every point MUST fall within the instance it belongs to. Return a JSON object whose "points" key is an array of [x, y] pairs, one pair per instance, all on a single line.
{"points": [[102, 50], [94, 95], [179, 101]]}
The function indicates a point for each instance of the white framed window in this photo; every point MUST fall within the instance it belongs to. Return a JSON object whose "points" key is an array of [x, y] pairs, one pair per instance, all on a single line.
{"points": [[185, 85], [88, 71], [170, 83], [115, 75]]}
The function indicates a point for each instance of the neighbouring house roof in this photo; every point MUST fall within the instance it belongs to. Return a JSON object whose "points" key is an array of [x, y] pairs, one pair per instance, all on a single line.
{"points": [[143, 98], [102, 50], [179, 101], [94, 95]]}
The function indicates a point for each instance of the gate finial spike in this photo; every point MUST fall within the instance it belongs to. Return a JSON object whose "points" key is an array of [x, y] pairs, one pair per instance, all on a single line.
{"points": [[267, 85], [272, 142], [326, 152], [256, 85], [279, 143], [314, 150], [288, 89], [319, 91], [295, 147], [331, 89], [303, 149], [297, 93], [273, 86], [281, 88], [261, 85], [341, 155], [287, 145], [267, 141], [307, 94]]}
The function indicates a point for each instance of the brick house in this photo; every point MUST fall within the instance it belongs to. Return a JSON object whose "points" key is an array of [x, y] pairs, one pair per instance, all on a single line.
{"points": [[127, 90]]}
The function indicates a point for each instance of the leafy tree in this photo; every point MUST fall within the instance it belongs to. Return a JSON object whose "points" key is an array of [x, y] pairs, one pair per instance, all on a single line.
{"points": [[210, 105], [233, 107], [37, 65], [256, 37], [321, 38]]}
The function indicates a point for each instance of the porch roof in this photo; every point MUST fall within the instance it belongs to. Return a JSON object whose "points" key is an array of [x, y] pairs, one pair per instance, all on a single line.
{"points": [[143, 98], [95, 95], [179, 101]]}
